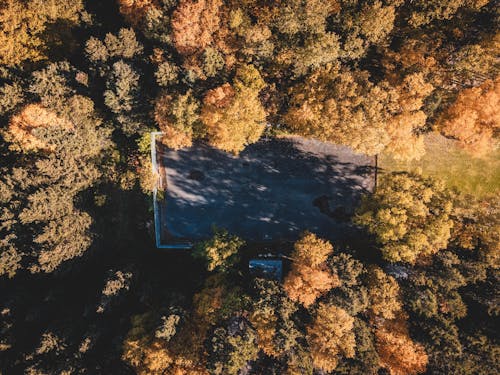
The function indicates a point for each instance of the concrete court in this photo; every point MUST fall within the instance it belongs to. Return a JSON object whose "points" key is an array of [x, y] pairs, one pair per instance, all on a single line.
{"points": [[273, 190]]}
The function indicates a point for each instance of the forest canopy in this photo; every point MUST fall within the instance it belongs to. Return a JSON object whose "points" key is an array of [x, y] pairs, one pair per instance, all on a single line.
{"points": [[411, 287]]}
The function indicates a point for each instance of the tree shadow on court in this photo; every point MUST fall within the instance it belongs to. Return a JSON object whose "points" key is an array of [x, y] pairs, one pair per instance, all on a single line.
{"points": [[269, 191]]}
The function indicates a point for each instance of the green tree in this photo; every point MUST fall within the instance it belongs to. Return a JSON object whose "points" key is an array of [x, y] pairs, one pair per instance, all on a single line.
{"points": [[409, 215], [366, 360], [435, 289], [40, 221], [271, 316], [220, 252], [352, 294], [122, 96], [229, 352], [179, 118]]}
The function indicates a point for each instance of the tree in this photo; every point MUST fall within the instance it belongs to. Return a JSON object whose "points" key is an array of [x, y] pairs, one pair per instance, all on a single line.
{"points": [[434, 289], [477, 227], [352, 294], [230, 349], [40, 220], [168, 327], [220, 252], [383, 291], [252, 35], [11, 95], [54, 84], [398, 353], [23, 127], [409, 119], [22, 24], [302, 37], [233, 115], [330, 336], [341, 107], [303, 17], [122, 45], [313, 54], [179, 119], [473, 63], [135, 11], [10, 259], [409, 215], [424, 12], [271, 316], [122, 96], [213, 62], [362, 24], [195, 24], [309, 277], [346, 108], [474, 118], [167, 74]]}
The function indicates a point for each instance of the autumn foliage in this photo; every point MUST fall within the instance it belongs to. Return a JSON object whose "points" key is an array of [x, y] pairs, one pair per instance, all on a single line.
{"points": [[178, 118], [398, 353], [412, 286], [409, 215], [195, 24], [309, 277], [134, 11], [474, 118], [330, 336], [384, 294], [23, 23], [233, 114], [23, 127]]}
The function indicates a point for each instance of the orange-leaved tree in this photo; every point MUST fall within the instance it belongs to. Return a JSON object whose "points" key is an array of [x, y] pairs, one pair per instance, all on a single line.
{"points": [[310, 276], [474, 118], [397, 351]]}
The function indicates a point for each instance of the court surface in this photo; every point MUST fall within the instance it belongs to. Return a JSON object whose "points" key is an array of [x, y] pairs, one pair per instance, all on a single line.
{"points": [[273, 190]]}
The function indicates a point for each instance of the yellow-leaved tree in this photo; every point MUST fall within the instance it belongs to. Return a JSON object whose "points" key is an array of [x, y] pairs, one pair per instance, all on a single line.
{"points": [[22, 24], [330, 336], [383, 291], [340, 107], [233, 114], [409, 215], [408, 118], [345, 107]]}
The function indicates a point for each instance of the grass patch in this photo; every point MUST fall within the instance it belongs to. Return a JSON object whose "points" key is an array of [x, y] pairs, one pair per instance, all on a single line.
{"points": [[446, 161]]}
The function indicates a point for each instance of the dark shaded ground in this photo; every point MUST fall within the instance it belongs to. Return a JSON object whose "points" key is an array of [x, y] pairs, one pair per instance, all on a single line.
{"points": [[274, 190]]}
